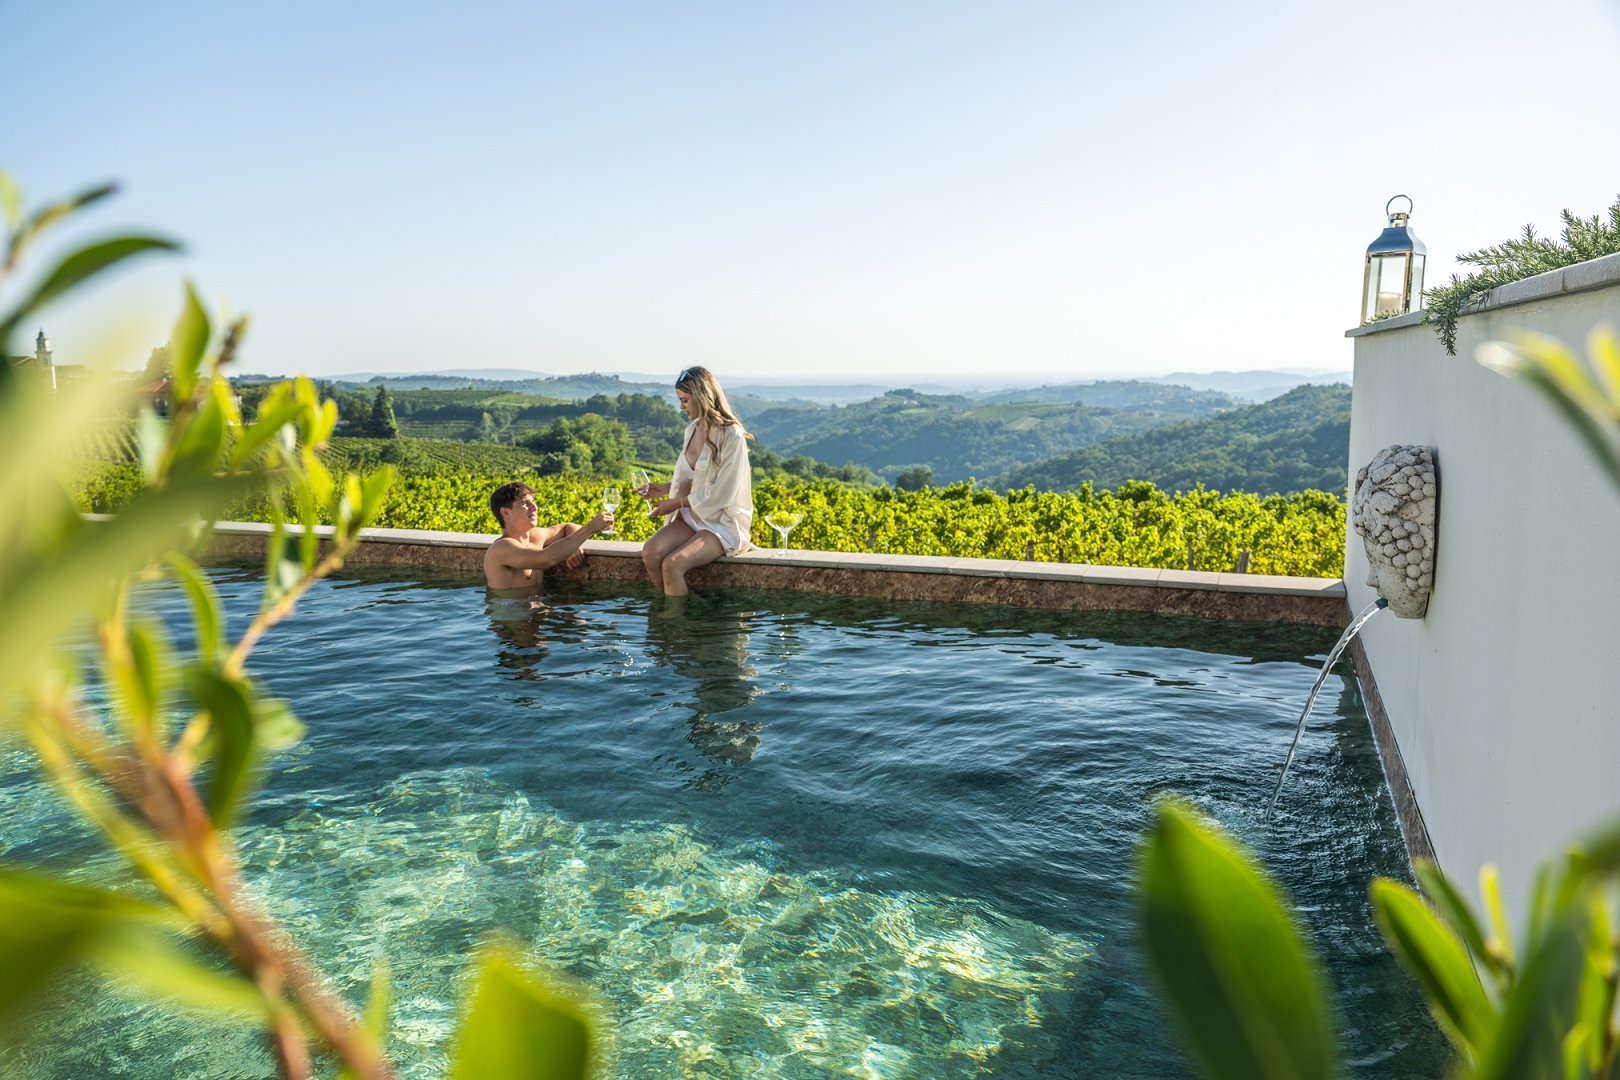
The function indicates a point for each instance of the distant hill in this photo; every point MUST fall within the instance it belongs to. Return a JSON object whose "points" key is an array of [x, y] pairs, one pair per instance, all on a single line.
{"points": [[1254, 385], [1137, 395], [952, 434], [1296, 441], [558, 387], [739, 390]]}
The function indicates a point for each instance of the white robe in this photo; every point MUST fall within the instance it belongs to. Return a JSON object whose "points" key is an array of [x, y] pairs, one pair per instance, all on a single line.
{"points": [[722, 493]]}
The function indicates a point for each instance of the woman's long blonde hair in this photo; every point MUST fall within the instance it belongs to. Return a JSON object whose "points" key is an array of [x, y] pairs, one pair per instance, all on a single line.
{"points": [[713, 409]]}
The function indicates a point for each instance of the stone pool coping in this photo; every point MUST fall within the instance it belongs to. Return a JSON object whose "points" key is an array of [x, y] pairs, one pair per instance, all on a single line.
{"points": [[1064, 586]]}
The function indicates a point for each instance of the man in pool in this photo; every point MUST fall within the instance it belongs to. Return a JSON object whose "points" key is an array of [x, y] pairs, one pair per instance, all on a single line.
{"points": [[516, 561]]}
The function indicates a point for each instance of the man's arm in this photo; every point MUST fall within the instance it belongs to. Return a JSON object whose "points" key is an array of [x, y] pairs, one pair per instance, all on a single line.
{"points": [[557, 551]]}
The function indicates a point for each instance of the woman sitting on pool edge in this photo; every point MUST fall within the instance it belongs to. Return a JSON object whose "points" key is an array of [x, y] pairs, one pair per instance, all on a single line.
{"points": [[709, 505]]}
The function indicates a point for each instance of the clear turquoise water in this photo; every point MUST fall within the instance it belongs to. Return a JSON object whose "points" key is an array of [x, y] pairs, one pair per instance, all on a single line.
{"points": [[779, 835]]}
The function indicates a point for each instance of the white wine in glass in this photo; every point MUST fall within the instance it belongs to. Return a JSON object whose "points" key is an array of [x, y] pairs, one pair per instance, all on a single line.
{"points": [[642, 480], [784, 522], [610, 503]]}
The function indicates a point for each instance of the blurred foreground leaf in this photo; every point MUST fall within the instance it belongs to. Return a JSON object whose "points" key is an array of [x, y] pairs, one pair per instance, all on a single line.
{"points": [[229, 705], [1542, 1007], [57, 586], [77, 267], [517, 1029], [1233, 966], [1437, 957], [48, 926], [1588, 397]]}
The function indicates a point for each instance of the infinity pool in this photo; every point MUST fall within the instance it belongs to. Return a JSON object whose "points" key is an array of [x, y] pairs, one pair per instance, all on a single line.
{"points": [[778, 835]]}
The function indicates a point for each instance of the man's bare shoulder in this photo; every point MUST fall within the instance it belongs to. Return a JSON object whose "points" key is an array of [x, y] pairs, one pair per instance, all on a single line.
{"points": [[503, 545], [499, 559]]}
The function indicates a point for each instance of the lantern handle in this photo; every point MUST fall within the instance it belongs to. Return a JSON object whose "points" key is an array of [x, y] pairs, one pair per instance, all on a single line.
{"points": [[1391, 202]]}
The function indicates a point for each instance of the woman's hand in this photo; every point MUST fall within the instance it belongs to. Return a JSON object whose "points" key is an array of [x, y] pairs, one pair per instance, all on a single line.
{"points": [[664, 508], [654, 491]]}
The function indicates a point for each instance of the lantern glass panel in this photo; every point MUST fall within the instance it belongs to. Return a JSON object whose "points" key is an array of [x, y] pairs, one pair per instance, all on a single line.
{"points": [[1386, 285], [1417, 282]]}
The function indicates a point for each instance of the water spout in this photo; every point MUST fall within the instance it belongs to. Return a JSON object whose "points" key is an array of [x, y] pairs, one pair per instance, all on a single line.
{"points": [[1333, 658]]}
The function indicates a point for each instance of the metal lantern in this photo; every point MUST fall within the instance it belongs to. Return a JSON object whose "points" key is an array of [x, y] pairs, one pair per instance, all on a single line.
{"points": [[1394, 281]]}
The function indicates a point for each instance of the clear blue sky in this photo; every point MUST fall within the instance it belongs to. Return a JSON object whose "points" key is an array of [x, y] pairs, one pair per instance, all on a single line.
{"points": [[887, 191]]}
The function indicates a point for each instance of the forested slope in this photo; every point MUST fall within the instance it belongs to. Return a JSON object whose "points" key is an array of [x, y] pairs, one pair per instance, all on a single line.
{"points": [[956, 437], [1295, 442]]}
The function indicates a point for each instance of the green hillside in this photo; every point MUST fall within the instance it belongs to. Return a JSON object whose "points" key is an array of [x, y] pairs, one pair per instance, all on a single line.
{"points": [[953, 435], [493, 414], [1295, 442], [1130, 394]]}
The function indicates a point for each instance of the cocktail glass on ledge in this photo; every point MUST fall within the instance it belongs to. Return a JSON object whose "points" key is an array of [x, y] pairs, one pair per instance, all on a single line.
{"points": [[784, 522]]}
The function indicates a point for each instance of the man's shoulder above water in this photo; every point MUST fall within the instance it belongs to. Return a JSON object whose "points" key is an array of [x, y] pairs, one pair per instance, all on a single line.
{"points": [[500, 572]]}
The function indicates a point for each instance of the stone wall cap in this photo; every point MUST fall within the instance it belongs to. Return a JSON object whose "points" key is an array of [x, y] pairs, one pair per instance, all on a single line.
{"points": [[1121, 575], [1598, 273], [1079, 573], [1278, 585], [1189, 579]]}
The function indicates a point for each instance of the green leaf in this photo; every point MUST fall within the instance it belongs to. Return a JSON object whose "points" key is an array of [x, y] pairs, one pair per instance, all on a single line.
{"points": [[188, 345], [1450, 903], [1597, 993], [1602, 850], [275, 412], [517, 1029], [78, 267], [282, 570], [151, 440], [55, 587], [202, 441], [375, 492], [10, 200], [276, 726], [1547, 368], [229, 704], [376, 1019], [376, 1016], [46, 216], [205, 611], [51, 213], [1500, 942], [1438, 960], [163, 969], [140, 682], [47, 926], [1604, 348], [1235, 969], [1542, 1007]]}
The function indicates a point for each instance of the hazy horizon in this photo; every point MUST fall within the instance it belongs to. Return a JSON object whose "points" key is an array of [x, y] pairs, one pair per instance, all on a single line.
{"points": [[1041, 192], [1012, 379]]}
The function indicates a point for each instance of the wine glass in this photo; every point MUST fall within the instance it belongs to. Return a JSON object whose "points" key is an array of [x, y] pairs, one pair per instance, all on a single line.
{"points": [[610, 503], [784, 522], [642, 480]]}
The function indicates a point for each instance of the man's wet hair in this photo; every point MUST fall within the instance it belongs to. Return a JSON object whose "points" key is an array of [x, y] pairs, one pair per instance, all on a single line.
{"points": [[503, 497]]}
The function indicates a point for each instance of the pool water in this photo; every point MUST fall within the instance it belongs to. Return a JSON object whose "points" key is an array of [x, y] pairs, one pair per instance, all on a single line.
{"points": [[776, 834]]}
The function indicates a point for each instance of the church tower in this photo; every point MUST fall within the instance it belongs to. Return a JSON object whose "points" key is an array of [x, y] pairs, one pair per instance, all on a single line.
{"points": [[42, 356]]}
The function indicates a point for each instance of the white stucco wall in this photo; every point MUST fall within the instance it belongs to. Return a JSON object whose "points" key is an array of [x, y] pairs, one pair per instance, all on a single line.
{"points": [[1505, 698]]}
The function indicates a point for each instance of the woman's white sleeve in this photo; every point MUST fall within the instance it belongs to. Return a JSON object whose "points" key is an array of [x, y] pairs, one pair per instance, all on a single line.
{"points": [[730, 490]]}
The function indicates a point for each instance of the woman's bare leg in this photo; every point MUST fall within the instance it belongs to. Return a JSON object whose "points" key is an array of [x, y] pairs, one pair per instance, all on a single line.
{"points": [[703, 547], [653, 553]]}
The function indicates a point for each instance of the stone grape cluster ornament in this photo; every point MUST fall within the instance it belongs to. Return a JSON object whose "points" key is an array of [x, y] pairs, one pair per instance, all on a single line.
{"points": [[1394, 507]]}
